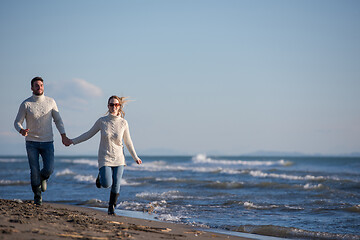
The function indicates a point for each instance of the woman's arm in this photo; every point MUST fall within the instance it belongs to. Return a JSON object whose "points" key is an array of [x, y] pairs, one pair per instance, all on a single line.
{"points": [[87, 135], [129, 144]]}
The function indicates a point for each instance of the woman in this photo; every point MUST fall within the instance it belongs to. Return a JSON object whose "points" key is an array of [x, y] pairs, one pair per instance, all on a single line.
{"points": [[111, 160]]}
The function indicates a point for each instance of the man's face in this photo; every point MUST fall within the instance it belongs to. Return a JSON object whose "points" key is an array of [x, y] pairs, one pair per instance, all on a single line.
{"points": [[38, 88]]}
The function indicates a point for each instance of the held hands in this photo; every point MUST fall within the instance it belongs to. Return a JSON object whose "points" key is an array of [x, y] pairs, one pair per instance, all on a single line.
{"points": [[65, 140]]}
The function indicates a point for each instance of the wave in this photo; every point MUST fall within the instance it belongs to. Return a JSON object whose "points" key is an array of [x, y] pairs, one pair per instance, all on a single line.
{"points": [[164, 195], [225, 185], [251, 205], [125, 182], [13, 183], [91, 179], [157, 166], [291, 232], [311, 187], [151, 167], [95, 203], [354, 209], [202, 158], [288, 177], [135, 206], [81, 161], [64, 172], [85, 178], [169, 218], [13, 160]]}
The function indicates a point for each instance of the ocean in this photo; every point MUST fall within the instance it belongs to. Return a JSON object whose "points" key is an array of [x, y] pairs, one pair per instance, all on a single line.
{"points": [[285, 197]]}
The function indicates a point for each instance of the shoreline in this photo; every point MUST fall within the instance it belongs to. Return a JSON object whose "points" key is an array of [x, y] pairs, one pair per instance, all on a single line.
{"points": [[21, 219]]}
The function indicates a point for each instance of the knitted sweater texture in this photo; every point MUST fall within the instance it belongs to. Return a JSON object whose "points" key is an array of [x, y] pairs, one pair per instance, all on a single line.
{"points": [[39, 111], [113, 130]]}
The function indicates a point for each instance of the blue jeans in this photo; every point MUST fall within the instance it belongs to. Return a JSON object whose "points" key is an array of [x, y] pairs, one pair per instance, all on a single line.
{"points": [[34, 150], [111, 177]]}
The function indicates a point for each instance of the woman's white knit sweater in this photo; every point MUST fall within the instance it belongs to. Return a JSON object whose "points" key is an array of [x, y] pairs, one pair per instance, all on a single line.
{"points": [[113, 130], [39, 111]]}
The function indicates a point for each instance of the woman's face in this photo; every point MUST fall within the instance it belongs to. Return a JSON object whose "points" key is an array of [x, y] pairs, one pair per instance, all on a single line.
{"points": [[114, 106]]}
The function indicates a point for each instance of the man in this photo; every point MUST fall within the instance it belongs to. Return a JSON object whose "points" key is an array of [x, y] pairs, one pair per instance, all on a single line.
{"points": [[39, 111]]}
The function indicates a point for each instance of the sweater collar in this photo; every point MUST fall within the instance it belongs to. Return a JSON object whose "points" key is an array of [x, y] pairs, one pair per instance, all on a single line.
{"points": [[38, 98], [113, 117]]}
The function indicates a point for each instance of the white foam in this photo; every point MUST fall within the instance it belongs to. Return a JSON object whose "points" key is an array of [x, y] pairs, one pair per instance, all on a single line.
{"points": [[284, 176], [171, 179], [82, 161], [85, 178], [252, 205], [10, 182], [164, 195], [155, 167], [96, 203], [124, 182], [201, 158], [310, 186], [64, 172], [157, 206], [135, 206], [12, 160], [169, 217]]}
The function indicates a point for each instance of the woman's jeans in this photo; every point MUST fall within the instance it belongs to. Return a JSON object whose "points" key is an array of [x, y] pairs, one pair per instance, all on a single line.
{"points": [[34, 150], [111, 176]]}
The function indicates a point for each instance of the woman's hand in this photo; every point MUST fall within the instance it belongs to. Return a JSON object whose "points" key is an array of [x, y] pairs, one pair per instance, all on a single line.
{"points": [[138, 161]]}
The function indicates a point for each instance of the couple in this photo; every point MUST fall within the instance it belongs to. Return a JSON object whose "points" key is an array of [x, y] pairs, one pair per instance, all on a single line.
{"points": [[39, 111]]}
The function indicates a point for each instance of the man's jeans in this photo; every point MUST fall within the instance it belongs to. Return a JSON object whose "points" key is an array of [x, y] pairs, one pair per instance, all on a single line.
{"points": [[111, 176], [34, 150]]}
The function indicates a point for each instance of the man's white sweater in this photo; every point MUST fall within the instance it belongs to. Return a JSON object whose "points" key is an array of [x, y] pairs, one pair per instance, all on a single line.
{"points": [[39, 111], [113, 130]]}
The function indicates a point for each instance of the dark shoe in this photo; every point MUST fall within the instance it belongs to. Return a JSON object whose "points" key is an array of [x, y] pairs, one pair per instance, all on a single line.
{"points": [[37, 195], [97, 182], [43, 184], [112, 203]]}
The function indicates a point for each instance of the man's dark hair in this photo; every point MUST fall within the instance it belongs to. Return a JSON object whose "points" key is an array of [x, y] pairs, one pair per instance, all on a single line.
{"points": [[36, 79]]}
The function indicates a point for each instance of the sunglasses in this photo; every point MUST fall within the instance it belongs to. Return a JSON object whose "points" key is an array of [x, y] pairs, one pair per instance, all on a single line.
{"points": [[114, 104]]}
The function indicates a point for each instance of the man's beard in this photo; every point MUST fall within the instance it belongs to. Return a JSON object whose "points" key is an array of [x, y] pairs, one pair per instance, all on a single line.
{"points": [[37, 93]]}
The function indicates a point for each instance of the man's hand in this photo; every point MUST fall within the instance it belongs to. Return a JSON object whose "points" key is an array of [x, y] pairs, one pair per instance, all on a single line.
{"points": [[24, 132], [65, 140]]}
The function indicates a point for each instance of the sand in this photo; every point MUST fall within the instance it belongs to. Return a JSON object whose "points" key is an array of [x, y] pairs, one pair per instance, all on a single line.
{"points": [[24, 220]]}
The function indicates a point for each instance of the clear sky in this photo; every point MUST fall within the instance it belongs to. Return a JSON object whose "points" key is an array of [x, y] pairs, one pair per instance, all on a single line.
{"points": [[206, 76]]}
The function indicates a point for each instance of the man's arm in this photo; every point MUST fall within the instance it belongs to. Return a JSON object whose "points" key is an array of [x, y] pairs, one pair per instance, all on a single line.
{"points": [[60, 126], [20, 119]]}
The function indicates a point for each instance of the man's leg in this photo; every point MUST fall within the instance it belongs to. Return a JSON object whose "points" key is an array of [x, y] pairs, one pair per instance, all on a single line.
{"points": [[33, 158], [47, 154]]}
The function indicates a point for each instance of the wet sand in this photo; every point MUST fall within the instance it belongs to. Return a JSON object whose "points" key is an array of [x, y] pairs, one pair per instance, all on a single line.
{"points": [[24, 220]]}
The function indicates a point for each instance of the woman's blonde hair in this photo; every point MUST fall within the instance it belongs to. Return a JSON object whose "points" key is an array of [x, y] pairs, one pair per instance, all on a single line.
{"points": [[122, 101]]}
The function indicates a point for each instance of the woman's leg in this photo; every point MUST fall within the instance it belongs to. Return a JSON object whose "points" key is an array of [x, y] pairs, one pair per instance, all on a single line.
{"points": [[117, 175], [106, 179]]}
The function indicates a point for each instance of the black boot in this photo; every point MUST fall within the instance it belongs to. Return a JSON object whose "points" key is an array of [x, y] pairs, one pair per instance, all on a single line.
{"points": [[37, 195], [97, 182], [112, 203]]}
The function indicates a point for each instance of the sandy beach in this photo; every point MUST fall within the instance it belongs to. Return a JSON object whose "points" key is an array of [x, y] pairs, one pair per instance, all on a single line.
{"points": [[24, 220]]}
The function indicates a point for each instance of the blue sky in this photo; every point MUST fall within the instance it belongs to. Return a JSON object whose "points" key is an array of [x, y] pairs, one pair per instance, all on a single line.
{"points": [[215, 77]]}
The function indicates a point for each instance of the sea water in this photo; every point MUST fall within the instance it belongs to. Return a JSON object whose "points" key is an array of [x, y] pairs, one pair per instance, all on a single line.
{"points": [[290, 197]]}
